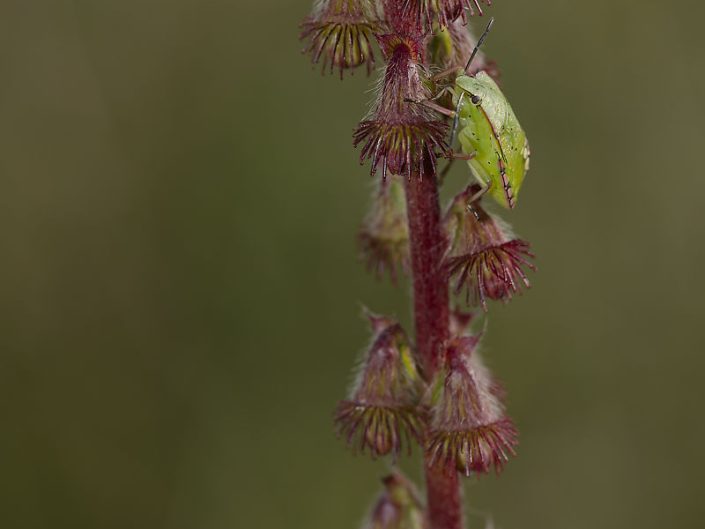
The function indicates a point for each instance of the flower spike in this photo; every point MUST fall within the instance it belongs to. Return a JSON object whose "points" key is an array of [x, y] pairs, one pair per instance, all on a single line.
{"points": [[436, 391], [384, 236], [469, 430], [402, 135], [485, 257], [340, 32], [382, 414]]}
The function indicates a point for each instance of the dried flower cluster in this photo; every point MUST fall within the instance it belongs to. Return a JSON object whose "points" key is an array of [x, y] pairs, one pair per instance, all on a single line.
{"points": [[484, 256], [384, 236], [382, 411], [340, 33], [403, 138], [441, 397], [468, 428]]}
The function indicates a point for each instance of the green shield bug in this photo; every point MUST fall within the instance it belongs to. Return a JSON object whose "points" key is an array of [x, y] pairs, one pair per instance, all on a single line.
{"points": [[490, 136], [489, 129]]}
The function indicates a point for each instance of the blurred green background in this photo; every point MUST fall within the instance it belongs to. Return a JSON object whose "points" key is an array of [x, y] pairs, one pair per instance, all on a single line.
{"points": [[180, 297]]}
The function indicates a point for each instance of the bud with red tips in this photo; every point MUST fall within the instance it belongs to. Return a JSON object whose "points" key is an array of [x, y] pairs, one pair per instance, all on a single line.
{"points": [[384, 236], [382, 414], [484, 255], [468, 427], [402, 135], [341, 32], [398, 506]]}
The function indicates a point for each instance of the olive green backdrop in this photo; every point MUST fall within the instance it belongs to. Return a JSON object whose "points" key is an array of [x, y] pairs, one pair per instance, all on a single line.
{"points": [[180, 297]]}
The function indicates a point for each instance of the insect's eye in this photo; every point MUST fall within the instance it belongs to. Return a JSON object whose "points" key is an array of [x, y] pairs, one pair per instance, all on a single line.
{"points": [[475, 100]]}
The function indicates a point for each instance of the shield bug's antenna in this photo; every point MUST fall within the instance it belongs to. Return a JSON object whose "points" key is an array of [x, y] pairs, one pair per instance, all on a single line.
{"points": [[479, 43]]}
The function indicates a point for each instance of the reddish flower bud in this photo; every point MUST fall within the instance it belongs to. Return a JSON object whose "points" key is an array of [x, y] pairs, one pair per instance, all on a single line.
{"points": [[469, 429], [402, 135], [340, 32], [484, 255], [384, 236], [426, 13], [398, 506], [382, 414]]}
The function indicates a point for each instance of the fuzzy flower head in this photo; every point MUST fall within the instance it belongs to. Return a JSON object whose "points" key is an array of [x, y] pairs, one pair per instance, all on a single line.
{"points": [[484, 256], [427, 14], [398, 506], [384, 236], [469, 430], [402, 135], [341, 33], [381, 414]]}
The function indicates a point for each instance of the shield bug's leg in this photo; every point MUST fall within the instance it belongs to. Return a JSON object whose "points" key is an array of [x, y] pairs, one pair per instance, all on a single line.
{"points": [[440, 94], [442, 175], [452, 156], [446, 170], [456, 119], [484, 188], [461, 156], [433, 106], [445, 73]]}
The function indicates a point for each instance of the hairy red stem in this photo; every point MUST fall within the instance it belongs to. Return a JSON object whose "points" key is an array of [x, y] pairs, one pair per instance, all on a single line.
{"points": [[430, 283], [431, 320], [445, 506]]}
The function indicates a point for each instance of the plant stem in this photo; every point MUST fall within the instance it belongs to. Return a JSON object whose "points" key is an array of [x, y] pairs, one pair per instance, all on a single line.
{"points": [[430, 284], [445, 506], [431, 321]]}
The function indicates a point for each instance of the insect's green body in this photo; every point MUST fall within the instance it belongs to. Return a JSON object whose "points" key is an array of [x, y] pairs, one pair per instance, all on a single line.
{"points": [[489, 130]]}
